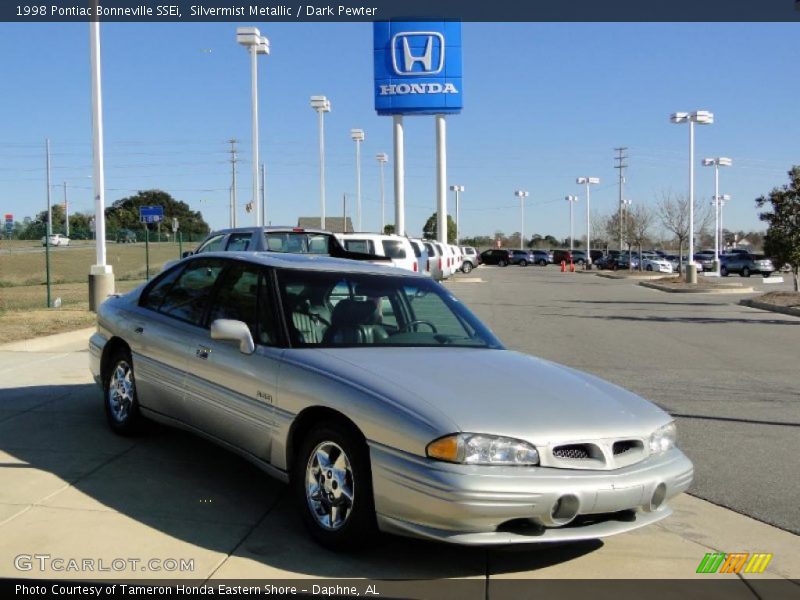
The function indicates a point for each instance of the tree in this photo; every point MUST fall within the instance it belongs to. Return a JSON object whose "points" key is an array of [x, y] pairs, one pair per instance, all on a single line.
{"points": [[124, 213], [639, 221], [431, 228], [673, 212], [389, 229], [782, 241]]}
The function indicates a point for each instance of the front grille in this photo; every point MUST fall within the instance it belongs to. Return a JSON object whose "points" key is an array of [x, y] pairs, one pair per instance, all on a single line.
{"points": [[574, 451], [624, 446]]}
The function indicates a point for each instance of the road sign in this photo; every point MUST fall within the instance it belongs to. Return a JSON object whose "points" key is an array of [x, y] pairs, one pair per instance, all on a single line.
{"points": [[9, 219], [151, 214], [174, 225]]}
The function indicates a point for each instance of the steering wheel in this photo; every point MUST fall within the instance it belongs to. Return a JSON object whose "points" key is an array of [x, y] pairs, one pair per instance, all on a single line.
{"points": [[410, 324]]}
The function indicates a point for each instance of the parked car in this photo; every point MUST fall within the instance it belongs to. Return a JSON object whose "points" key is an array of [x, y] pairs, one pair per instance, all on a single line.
{"points": [[422, 256], [542, 257], [655, 262], [449, 259], [705, 260], [435, 260], [458, 258], [746, 265], [562, 256], [471, 260], [625, 260], [337, 377], [56, 239], [126, 236], [579, 257], [395, 247], [522, 258], [496, 256]]}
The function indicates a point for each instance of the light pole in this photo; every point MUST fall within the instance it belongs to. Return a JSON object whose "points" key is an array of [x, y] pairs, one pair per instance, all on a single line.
{"points": [[572, 200], [703, 117], [251, 38], [588, 181], [623, 232], [721, 201], [457, 189], [382, 159], [357, 135], [521, 194], [322, 105], [718, 162]]}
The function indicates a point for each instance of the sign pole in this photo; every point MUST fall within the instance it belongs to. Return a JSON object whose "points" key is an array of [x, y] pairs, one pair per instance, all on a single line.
{"points": [[399, 176], [441, 178], [147, 250]]}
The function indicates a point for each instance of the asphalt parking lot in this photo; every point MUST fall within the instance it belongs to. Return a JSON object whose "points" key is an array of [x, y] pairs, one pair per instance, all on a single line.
{"points": [[70, 488]]}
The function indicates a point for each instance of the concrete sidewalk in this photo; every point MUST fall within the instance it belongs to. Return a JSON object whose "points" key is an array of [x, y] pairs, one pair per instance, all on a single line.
{"points": [[72, 489]]}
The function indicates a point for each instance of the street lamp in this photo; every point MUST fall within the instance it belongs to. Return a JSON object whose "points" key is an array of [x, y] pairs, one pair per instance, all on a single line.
{"points": [[702, 117], [716, 163], [357, 135], [521, 194], [457, 189], [251, 38], [322, 105], [382, 159], [572, 200], [722, 200], [588, 181]]}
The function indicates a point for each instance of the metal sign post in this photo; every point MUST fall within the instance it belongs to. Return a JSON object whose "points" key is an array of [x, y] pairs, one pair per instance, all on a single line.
{"points": [[147, 215]]}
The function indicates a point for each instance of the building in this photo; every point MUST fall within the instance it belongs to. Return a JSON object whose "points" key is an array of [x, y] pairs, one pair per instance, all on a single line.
{"points": [[332, 224]]}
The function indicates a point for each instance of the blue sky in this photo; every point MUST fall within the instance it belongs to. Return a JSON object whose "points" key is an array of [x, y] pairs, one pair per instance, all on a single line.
{"points": [[544, 103]]}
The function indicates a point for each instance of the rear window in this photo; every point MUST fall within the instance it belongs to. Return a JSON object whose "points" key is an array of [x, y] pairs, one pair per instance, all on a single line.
{"points": [[297, 242], [417, 251], [431, 250], [393, 249], [363, 246]]}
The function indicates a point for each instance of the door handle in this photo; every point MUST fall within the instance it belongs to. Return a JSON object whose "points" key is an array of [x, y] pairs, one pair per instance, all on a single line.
{"points": [[203, 352], [139, 330]]}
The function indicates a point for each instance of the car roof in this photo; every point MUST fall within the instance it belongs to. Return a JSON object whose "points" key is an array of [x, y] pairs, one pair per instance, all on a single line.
{"points": [[308, 262], [270, 229]]}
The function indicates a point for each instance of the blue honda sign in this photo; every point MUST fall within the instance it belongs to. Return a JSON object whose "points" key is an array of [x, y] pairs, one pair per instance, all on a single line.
{"points": [[151, 214], [417, 67]]}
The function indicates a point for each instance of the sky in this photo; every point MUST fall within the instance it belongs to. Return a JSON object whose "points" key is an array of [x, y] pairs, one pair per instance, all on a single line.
{"points": [[543, 104]]}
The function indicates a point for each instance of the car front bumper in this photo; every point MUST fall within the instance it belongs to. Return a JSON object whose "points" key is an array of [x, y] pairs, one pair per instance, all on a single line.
{"points": [[501, 505]]}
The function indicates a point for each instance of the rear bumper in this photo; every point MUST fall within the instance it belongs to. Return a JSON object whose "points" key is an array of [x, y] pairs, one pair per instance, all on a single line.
{"points": [[500, 505]]}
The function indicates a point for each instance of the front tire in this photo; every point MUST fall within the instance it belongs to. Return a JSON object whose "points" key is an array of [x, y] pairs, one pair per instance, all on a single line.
{"points": [[119, 394], [746, 272], [723, 270], [523, 263], [332, 484], [649, 267], [502, 263]]}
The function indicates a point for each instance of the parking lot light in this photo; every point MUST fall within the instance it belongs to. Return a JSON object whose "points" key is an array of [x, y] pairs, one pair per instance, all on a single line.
{"points": [[572, 200], [357, 135], [521, 194], [703, 117], [382, 159], [716, 163], [321, 104], [588, 181], [457, 189]]}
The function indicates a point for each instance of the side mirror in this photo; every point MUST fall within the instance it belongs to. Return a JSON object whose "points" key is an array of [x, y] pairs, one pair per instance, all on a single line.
{"points": [[233, 331], [186, 253]]}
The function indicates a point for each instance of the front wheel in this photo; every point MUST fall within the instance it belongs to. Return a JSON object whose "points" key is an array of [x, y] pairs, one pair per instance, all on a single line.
{"points": [[723, 271], [523, 263], [333, 487], [746, 272], [765, 275], [119, 391], [502, 263], [649, 267], [466, 267]]}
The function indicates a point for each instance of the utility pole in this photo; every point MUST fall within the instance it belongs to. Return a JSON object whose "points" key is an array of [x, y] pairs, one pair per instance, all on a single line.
{"points": [[621, 165], [49, 229], [66, 212], [344, 213], [233, 181]]}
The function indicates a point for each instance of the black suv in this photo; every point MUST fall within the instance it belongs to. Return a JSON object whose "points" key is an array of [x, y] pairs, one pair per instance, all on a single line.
{"points": [[497, 256]]}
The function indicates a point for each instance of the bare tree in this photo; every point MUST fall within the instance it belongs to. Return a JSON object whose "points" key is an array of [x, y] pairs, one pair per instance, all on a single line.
{"points": [[639, 222], [673, 212]]}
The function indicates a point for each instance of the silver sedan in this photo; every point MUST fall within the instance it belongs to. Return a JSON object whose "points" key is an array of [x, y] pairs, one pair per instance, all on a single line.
{"points": [[338, 377]]}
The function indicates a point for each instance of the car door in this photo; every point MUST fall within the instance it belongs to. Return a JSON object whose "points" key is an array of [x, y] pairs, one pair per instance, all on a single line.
{"points": [[170, 309], [229, 394]]}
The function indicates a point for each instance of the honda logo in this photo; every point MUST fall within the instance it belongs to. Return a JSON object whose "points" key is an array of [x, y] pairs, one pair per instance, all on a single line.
{"points": [[405, 56]]}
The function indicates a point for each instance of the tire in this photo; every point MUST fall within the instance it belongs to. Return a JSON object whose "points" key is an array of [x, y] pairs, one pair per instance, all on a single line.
{"points": [[466, 267], [523, 263], [119, 394], [502, 263], [649, 267], [357, 527], [543, 263], [723, 270], [765, 275], [745, 272]]}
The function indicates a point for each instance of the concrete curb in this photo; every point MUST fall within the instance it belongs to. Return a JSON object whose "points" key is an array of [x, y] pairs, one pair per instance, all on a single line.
{"points": [[753, 303], [50, 343], [637, 277], [671, 290]]}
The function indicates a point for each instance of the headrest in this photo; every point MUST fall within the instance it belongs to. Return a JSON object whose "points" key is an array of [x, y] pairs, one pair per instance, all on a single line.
{"points": [[355, 312]]}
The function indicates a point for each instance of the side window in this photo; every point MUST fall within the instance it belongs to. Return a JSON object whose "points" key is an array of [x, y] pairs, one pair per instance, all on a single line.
{"points": [[394, 249], [431, 251], [243, 296], [417, 250], [212, 245], [188, 297], [154, 296], [239, 242], [364, 246], [319, 244]]}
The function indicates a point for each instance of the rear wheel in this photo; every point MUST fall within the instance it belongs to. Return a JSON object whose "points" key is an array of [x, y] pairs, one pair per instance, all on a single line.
{"points": [[333, 487], [466, 267], [723, 270], [746, 272], [523, 263], [649, 267], [502, 263], [543, 262], [765, 275]]}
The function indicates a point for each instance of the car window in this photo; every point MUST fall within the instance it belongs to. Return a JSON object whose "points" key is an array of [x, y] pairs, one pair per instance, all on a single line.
{"points": [[239, 242], [417, 251], [319, 244], [154, 295], [393, 249], [243, 295], [363, 246], [212, 245], [431, 250], [188, 297]]}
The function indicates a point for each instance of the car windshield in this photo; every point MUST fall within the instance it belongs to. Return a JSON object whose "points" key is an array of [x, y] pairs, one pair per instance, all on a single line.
{"points": [[355, 309], [297, 242]]}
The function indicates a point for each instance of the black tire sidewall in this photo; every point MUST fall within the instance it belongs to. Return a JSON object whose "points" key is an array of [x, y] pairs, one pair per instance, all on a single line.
{"points": [[360, 527], [133, 423]]}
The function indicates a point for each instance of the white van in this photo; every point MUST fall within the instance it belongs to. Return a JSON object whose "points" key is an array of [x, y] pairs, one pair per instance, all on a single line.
{"points": [[395, 247]]}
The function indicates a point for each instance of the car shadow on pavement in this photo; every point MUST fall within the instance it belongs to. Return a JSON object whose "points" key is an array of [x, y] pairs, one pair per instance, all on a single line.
{"points": [[71, 487], [681, 319]]}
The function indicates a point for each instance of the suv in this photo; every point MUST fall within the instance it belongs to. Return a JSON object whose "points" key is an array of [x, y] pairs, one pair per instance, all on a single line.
{"points": [[126, 236], [542, 257], [394, 247], [562, 256], [471, 259], [497, 256], [745, 265], [523, 258]]}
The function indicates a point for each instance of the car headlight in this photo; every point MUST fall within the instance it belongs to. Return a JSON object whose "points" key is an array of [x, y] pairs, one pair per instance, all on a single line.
{"points": [[481, 449], [663, 438]]}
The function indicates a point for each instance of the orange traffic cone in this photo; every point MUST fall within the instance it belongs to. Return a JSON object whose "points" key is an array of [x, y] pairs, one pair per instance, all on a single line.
{"points": [[571, 267], [563, 266]]}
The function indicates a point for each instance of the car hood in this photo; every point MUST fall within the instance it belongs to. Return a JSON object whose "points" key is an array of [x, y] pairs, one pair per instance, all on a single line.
{"points": [[499, 392]]}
